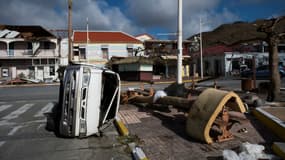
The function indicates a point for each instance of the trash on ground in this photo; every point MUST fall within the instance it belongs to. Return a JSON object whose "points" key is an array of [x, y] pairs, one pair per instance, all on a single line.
{"points": [[248, 151]]}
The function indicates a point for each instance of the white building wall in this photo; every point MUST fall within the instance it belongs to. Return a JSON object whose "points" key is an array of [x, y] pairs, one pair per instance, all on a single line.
{"points": [[225, 63], [21, 49], [13, 71], [94, 51], [63, 55], [20, 53], [146, 67]]}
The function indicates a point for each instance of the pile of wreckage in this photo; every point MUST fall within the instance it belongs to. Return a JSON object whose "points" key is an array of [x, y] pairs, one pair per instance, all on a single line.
{"points": [[206, 108], [211, 110]]}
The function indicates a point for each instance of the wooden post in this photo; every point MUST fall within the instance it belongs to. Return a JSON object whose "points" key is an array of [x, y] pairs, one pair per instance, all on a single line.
{"points": [[177, 102], [70, 48]]}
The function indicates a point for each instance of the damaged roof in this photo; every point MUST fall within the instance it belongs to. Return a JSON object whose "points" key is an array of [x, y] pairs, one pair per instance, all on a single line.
{"points": [[14, 31]]}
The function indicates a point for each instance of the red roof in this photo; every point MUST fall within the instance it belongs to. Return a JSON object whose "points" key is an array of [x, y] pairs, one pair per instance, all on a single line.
{"points": [[214, 50], [221, 49], [104, 37]]}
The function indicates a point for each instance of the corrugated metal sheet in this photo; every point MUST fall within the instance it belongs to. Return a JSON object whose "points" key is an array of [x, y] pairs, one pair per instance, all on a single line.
{"points": [[27, 31], [4, 32], [12, 34]]}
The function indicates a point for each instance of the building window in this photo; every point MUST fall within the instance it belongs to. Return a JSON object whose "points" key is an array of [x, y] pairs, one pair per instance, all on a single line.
{"points": [[105, 53], [30, 46], [44, 61], [82, 53], [11, 50], [36, 62], [130, 51], [52, 71], [51, 61], [45, 45], [5, 72]]}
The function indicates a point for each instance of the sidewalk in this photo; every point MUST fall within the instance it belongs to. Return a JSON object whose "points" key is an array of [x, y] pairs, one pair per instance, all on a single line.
{"points": [[165, 81], [162, 134]]}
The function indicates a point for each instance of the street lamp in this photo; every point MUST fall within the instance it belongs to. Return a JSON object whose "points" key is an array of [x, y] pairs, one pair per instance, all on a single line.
{"points": [[179, 43]]}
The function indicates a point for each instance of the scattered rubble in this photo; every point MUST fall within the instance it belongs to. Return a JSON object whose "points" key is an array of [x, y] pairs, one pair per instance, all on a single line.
{"points": [[206, 110], [220, 118], [248, 151]]}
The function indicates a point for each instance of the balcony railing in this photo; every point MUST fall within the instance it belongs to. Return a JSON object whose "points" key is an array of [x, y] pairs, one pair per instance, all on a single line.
{"points": [[28, 53], [47, 52], [3, 53]]}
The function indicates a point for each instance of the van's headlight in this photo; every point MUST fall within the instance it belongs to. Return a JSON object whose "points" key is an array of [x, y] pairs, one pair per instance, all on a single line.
{"points": [[86, 76]]}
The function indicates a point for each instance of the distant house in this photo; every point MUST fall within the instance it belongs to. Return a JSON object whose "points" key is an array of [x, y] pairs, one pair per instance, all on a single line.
{"points": [[100, 46], [165, 55], [28, 52], [133, 68], [144, 37], [222, 60]]}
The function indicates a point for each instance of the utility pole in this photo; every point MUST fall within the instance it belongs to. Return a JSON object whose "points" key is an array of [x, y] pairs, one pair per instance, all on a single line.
{"points": [[70, 53], [179, 43], [87, 38], [201, 51]]}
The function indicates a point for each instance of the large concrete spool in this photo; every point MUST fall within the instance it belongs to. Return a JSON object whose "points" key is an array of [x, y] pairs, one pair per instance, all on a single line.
{"points": [[205, 110]]}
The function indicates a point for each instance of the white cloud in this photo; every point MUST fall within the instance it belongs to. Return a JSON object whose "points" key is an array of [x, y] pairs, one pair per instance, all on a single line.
{"points": [[53, 14], [28, 13], [163, 14], [136, 17]]}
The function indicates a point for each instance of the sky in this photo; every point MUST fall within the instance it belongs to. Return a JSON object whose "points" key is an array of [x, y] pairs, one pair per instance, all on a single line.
{"points": [[155, 17]]}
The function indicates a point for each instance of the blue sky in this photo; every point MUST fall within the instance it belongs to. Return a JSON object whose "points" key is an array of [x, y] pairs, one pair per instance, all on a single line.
{"points": [[138, 16]]}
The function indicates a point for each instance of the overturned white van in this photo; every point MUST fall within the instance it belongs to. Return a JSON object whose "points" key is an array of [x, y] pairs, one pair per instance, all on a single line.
{"points": [[90, 98]]}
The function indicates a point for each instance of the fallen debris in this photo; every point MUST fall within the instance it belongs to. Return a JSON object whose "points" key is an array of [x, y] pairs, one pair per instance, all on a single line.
{"points": [[248, 152], [177, 90], [252, 100], [211, 108], [31, 80], [158, 95], [15, 82]]}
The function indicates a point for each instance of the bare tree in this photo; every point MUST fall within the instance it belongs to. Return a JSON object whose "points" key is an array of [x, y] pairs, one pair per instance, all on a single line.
{"points": [[268, 30]]}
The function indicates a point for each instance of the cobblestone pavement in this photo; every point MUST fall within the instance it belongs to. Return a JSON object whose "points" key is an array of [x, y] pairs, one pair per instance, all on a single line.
{"points": [[162, 134]]}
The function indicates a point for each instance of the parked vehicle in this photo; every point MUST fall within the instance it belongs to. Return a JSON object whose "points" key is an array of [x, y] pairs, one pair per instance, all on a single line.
{"points": [[90, 98], [263, 72]]}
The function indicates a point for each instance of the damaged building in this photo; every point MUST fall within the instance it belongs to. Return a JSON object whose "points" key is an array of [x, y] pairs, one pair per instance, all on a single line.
{"points": [[29, 52], [164, 55]]}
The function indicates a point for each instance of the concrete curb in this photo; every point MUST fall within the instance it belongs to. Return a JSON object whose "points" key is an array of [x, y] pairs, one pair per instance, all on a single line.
{"points": [[270, 121], [279, 149], [123, 130], [137, 152]]}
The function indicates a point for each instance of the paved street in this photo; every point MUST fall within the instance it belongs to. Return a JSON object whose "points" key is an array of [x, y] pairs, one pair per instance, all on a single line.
{"points": [[23, 132], [232, 83]]}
